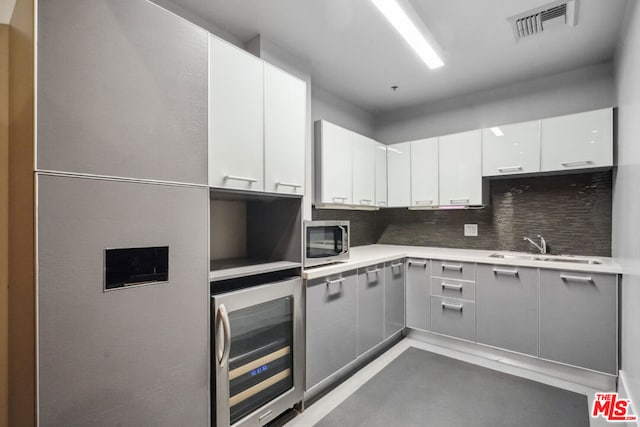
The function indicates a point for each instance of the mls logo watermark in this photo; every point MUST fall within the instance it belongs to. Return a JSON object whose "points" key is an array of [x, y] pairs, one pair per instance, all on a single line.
{"points": [[612, 409]]}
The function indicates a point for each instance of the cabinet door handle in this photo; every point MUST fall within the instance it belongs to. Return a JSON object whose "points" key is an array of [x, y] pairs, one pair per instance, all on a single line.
{"points": [[576, 163], [287, 184], [583, 279], [382, 203], [452, 267], [497, 271], [239, 178], [509, 168], [375, 270], [459, 201], [399, 264], [424, 202], [335, 281], [365, 201], [451, 287], [454, 307], [418, 263], [339, 199]]}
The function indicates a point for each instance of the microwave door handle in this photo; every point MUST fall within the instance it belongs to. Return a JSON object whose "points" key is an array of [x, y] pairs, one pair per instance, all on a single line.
{"points": [[345, 242]]}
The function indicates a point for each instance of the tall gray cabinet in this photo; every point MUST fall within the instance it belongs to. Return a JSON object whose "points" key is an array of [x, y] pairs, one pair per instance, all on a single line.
{"points": [[121, 163]]}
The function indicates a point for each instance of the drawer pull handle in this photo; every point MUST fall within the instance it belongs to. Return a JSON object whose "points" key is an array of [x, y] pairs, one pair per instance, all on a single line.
{"points": [[576, 163], [497, 271], [509, 168], [452, 267], [422, 264], [399, 264], [375, 270], [454, 307], [583, 279], [451, 287], [240, 178], [334, 282]]}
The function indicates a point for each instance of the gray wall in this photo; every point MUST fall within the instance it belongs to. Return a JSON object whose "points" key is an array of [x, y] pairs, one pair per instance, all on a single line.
{"points": [[579, 90], [573, 213], [626, 203], [330, 107]]}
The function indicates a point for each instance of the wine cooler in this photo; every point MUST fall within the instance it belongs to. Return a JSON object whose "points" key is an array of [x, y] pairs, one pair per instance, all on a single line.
{"points": [[257, 353]]}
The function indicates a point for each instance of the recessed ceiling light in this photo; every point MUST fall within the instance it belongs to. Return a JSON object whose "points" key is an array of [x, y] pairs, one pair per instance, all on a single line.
{"points": [[496, 131], [408, 30]]}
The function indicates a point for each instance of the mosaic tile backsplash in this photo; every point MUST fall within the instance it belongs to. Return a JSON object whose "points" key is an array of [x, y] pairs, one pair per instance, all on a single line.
{"points": [[572, 212]]}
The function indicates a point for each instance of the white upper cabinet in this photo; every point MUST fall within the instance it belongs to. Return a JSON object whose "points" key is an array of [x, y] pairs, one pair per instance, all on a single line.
{"points": [[399, 174], [285, 114], [236, 118], [381, 175], [461, 168], [364, 170], [333, 163], [511, 149], [424, 172], [576, 141]]}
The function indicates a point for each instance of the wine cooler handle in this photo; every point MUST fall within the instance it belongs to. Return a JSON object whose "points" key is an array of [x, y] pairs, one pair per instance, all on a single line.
{"points": [[223, 354]]}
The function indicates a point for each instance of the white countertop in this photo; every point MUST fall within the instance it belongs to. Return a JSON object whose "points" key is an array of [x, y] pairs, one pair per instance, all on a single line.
{"points": [[362, 256]]}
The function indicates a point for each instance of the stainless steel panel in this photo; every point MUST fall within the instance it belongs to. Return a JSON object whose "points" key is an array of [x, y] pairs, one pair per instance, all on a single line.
{"points": [[370, 307], [453, 270], [394, 297], [331, 325], [122, 91], [453, 288], [507, 310], [418, 298], [130, 357], [453, 317], [578, 319]]}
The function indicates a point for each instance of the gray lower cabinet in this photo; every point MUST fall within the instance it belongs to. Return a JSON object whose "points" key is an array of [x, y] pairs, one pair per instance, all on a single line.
{"points": [[393, 297], [122, 91], [370, 307], [331, 325], [418, 294], [507, 307], [456, 318], [578, 319], [135, 355]]}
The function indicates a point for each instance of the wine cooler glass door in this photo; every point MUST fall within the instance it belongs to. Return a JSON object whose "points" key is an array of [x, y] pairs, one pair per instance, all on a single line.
{"points": [[254, 351]]}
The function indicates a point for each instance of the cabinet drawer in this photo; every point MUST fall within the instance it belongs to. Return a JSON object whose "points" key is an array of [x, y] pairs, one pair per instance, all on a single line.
{"points": [[453, 288], [453, 317], [454, 270]]}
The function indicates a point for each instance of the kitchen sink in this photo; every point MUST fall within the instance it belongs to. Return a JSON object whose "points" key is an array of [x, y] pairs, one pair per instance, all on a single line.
{"points": [[555, 258]]}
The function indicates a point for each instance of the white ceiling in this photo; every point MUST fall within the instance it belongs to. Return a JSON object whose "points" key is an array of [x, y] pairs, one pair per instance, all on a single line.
{"points": [[354, 52]]}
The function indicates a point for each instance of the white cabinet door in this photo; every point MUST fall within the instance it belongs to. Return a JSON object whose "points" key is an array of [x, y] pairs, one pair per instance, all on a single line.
{"points": [[236, 118], [333, 170], [424, 172], [577, 141], [511, 149], [364, 170], [285, 114], [460, 157], [399, 174], [381, 175]]}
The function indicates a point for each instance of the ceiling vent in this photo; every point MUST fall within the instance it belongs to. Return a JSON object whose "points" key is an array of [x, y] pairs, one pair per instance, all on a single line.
{"points": [[537, 20]]}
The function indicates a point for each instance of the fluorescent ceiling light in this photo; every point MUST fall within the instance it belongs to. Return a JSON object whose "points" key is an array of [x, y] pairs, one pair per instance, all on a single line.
{"points": [[408, 30], [496, 131]]}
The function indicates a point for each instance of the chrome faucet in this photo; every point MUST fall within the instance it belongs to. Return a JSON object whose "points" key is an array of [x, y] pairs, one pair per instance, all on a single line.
{"points": [[542, 247]]}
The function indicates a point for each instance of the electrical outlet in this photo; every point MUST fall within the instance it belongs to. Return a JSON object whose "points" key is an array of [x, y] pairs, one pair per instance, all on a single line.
{"points": [[471, 230]]}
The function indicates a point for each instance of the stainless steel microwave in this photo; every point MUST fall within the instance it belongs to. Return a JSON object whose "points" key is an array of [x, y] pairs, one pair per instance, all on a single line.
{"points": [[326, 242]]}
